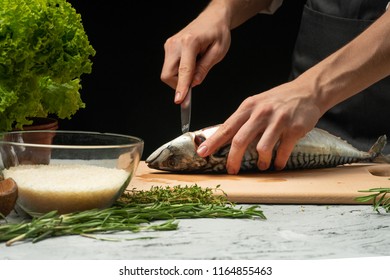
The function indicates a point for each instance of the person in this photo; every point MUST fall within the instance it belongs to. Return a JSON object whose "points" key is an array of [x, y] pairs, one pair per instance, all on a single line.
{"points": [[338, 82]]}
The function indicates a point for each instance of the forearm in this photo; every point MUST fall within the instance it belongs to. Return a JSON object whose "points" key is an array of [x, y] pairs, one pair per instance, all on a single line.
{"points": [[356, 66], [236, 12]]}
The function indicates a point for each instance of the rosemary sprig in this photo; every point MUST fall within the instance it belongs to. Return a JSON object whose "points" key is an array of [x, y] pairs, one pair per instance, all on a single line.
{"points": [[176, 194], [380, 198], [132, 212]]}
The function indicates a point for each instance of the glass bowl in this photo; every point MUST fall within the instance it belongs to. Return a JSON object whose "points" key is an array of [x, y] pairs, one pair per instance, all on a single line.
{"points": [[68, 171]]}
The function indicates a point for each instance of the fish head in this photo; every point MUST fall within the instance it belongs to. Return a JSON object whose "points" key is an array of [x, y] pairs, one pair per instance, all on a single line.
{"points": [[178, 155]]}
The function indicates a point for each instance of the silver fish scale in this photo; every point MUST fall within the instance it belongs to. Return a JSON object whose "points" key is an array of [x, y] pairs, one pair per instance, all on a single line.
{"points": [[250, 157], [219, 167], [317, 149], [217, 161], [301, 161]]}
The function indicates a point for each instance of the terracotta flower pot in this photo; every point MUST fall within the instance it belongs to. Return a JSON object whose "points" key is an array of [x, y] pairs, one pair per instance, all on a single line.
{"points": [[42, 124], [33, 155], [23, 154]]}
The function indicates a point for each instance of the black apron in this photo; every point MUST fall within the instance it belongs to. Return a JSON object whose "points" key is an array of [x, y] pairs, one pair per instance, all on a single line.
{"points": [[326, 26]]}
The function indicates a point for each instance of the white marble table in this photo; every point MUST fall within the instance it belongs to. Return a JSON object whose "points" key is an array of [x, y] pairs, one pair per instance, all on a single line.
{"points": [[291, 232]]}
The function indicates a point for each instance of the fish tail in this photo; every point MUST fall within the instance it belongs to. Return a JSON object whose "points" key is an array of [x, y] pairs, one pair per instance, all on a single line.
{"points": [[376, 150]]}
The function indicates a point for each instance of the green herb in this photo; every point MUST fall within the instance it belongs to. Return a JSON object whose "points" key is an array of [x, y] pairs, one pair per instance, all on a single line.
{"points": [[176, 194], [132, 212], [380, 198], [44, 52]]}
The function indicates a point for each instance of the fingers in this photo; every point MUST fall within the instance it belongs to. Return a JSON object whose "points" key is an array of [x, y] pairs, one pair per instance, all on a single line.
{"points": [[265, 148], [222, 136], [240, 142], [191, 69], [169, 72], [186, 69], [286, 146], [273, 138], [272, 145], [180, 64], [188, 60], [236, 130]]}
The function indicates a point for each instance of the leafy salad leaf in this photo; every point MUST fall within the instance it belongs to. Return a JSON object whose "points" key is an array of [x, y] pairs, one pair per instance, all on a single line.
{"points": [[44, 50]]}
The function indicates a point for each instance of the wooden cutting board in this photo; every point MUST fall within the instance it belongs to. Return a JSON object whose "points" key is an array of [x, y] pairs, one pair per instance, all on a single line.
{"points": [[339, 185]]}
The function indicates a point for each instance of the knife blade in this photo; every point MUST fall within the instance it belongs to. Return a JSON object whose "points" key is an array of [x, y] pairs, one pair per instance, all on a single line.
{"points": [[185, 112]]}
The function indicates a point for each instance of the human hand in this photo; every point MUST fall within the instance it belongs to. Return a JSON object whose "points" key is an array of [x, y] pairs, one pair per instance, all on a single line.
{"points": [[191, 53], [276, 119]]}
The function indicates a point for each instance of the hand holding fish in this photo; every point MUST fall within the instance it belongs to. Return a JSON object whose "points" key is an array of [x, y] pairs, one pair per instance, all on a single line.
{"points": [[277, 119]]}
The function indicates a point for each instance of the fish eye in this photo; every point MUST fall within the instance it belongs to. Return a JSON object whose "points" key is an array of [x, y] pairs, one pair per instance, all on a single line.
{"points": [[171, 162]]}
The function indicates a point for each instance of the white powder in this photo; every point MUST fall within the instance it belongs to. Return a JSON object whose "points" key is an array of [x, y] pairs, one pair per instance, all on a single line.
{"points": [[66, 188]]}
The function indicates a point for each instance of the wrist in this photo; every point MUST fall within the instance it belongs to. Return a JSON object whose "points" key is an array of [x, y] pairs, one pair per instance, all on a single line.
{"points": [[317, 87], [236, 12], [219, 10]]}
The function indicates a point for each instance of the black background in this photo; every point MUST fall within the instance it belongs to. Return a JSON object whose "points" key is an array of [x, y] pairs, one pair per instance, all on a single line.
{"points": [[124, 93]]}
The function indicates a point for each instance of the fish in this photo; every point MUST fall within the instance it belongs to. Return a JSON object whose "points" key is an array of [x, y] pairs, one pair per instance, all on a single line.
{"points": [[317, 149]]}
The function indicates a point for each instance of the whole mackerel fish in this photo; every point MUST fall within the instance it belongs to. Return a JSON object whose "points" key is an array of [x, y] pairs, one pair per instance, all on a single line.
{"points": [[317, 149]]}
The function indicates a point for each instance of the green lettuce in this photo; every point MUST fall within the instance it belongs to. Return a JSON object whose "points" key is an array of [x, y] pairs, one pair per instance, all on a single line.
{"points": [[44, 50]]}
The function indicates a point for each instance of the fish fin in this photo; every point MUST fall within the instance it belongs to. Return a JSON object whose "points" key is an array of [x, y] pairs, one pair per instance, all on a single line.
{"points": [[378, 146], [376, 151]]}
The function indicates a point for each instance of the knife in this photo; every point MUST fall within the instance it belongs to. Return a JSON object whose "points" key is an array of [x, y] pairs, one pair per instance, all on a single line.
{"points": [[185, 110]]}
